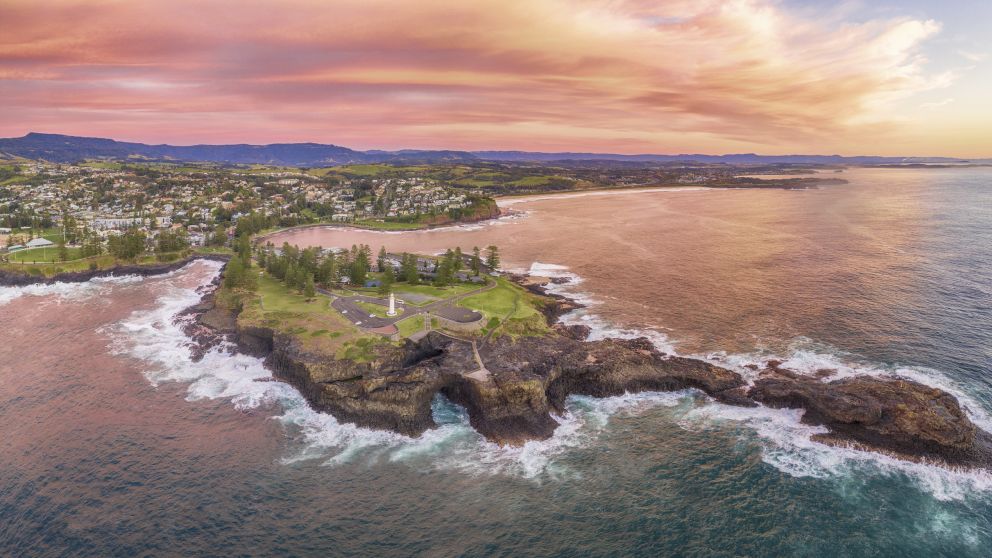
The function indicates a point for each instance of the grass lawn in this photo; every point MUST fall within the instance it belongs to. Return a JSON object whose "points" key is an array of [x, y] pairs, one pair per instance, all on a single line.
{"points": [[46, 255], [411, 325], [432, 291], [317, 325], [516, 308], [104, 261]]}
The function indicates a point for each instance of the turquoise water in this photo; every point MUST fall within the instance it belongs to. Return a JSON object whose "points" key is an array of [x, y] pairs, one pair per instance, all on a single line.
{"points": [[115, 444]]}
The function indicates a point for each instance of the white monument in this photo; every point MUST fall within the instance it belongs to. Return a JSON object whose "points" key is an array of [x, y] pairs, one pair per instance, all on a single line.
{"points": [[392, 305]]}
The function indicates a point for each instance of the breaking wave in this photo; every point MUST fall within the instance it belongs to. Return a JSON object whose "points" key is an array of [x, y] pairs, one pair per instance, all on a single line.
{"points": [[67, 291], [786, 442], [154, 337]]}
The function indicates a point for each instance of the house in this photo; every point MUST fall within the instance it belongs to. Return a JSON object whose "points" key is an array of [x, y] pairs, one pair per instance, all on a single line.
{"points": [[39, 243]]}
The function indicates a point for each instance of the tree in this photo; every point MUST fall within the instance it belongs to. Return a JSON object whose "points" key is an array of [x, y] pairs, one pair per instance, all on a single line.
{"points": [[388, 278], [492, 257], [127, 245], [476, 261], [234, 273], [243, 247], [308, 288], [219, 236], [444, 273], [381, 261], [290, 278], [459, 260], [359, 271], [63, 251], [327, 271], [172, 241], [409, 269]]}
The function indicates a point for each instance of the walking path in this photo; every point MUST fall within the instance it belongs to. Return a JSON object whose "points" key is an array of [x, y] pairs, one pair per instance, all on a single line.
{"points": [[446, 308]]}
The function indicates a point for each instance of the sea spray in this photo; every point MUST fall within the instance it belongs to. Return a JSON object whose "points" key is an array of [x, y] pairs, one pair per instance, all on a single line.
{"points": [[786, 442]]}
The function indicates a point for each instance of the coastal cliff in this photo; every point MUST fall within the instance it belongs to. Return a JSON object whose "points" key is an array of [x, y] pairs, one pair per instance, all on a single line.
{"points": [[525, 382]]}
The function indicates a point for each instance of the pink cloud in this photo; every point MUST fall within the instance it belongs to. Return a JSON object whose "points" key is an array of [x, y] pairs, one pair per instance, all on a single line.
{"points": [[522, 74]]}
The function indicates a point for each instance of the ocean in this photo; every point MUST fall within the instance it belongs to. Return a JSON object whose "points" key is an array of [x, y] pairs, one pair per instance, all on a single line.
{"points": [[115, 443]]}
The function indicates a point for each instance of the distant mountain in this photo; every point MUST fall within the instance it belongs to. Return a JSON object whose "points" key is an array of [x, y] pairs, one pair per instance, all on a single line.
{"points": [[69, 149], [59, 148], [735, 159]]}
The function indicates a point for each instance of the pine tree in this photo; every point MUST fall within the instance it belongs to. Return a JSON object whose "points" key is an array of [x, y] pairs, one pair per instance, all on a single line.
{"points": [[492, 257], [234, 273], [290, 278], [63, 251], [388, 278], [459, 260], [409, 268], [381, 262], [308, 288], [476, 261]]}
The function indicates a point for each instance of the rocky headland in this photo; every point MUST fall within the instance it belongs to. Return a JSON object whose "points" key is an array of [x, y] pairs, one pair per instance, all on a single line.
{"points": [[525, 382]]}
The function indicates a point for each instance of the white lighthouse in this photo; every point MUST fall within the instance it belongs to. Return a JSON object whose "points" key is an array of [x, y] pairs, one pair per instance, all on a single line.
{"points": [[392, 305]]}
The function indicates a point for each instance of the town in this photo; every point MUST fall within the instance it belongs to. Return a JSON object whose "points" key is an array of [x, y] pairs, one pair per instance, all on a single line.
{"points": [[56, 213]]}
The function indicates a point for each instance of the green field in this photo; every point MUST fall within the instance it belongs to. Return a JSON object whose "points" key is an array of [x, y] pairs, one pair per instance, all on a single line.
{"points": [[104, 261], [317, 326], [43, 255], [432, 291], [515, 309], [411, 325]]}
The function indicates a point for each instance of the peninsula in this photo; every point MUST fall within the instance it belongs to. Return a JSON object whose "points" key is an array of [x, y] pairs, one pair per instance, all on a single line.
{"points": [[373, 340]]}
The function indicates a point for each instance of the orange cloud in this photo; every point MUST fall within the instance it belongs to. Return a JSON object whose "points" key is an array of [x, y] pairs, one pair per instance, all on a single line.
{"points": [[622, 76]]}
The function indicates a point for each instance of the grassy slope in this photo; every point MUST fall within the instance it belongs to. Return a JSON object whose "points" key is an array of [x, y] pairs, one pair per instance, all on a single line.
{"points": [[516, 309], [411, 325], [318, 327]]}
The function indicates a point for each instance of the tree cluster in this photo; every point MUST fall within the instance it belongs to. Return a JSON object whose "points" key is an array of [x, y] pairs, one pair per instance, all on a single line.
{"points": [[127, 245]]}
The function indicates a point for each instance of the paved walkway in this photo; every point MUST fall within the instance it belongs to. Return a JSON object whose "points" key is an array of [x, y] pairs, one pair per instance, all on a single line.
{"points": [[446, 308]]}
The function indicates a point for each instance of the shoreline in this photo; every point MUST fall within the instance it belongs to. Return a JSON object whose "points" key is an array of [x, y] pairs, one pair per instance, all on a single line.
{"points": [[529, 378]]}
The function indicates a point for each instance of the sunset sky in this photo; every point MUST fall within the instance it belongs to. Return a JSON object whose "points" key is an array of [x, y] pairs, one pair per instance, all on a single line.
{"points": [[624, 76]]}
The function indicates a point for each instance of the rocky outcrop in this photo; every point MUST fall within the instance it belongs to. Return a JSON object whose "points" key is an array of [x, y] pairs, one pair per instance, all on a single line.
{"points": [[889, 414], [526, 382]]}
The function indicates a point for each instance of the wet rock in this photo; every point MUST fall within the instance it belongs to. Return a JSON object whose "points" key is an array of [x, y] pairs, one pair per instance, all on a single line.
{"points": [[527, 380], [890, 414]]}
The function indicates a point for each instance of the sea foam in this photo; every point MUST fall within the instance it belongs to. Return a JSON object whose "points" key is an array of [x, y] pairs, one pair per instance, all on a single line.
{"points": [[785, 442]]}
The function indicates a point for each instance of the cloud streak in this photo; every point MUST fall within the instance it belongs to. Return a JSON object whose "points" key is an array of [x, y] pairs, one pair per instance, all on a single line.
{"points": [[616, 75]]}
